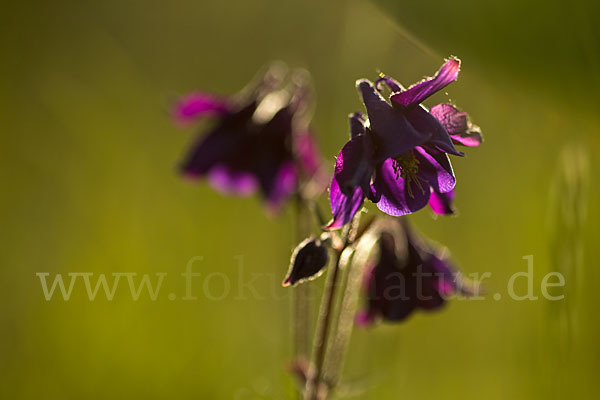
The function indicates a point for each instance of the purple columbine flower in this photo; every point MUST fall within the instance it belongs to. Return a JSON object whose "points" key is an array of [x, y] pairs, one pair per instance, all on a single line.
{"points": [[259, 140], [408, 274], [397, 157]]}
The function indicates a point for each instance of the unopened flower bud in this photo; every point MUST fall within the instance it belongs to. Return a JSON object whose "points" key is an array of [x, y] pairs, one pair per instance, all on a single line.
{"points": [[308, 261]]}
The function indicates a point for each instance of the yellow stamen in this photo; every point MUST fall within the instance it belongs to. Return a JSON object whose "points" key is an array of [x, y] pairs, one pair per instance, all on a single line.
{"points": [[407, 166]]}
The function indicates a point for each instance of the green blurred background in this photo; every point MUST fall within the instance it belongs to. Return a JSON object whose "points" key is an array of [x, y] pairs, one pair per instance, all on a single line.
{"points": [[89, 185]]}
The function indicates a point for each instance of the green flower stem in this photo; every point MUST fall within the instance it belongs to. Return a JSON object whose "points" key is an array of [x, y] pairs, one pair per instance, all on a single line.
{"points": [[316, 374], [301, 294]]}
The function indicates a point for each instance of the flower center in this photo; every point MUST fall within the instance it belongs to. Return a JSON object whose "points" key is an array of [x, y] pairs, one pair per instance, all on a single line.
{"points": [[407, 167]]}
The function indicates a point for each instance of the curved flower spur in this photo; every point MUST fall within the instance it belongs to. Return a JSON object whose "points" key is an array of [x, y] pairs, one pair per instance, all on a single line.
{"points": [[397, 158], [260, 139]]}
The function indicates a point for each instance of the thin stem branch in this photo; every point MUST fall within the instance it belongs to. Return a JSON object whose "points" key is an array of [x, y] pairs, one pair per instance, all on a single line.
{"points": [[301, 294], [345, 322], [353, 261], [313, 384], [300, 325]]}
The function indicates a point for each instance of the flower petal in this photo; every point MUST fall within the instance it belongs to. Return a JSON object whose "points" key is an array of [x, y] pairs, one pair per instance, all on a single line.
{"points": [[392, 131], [222, 145], [307, 152], [470, 138], [447, 280], [283, 184], [351, 180], [396, 197], [458, 125], [422, 286], [343, 207], [435, 169], [422, 90], [394, 85], [451, 118], [217, 147], [426, 123], [384, 285], [228, 181], [357, 124], [441, 203], [272, 159], [354, 165], [195, 105]]}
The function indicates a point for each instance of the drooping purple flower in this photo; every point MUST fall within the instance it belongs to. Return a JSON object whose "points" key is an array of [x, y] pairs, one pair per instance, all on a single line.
{"points": [[398, 156], [251, 145], [409, 274]]}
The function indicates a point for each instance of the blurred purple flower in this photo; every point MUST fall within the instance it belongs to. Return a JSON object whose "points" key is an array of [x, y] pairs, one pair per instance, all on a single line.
{"points": [[407, 275], [398, 156], [259, 140]]}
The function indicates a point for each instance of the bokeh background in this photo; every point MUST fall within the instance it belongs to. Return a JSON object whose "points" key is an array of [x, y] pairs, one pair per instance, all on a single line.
{"points": [[88, 184]]}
